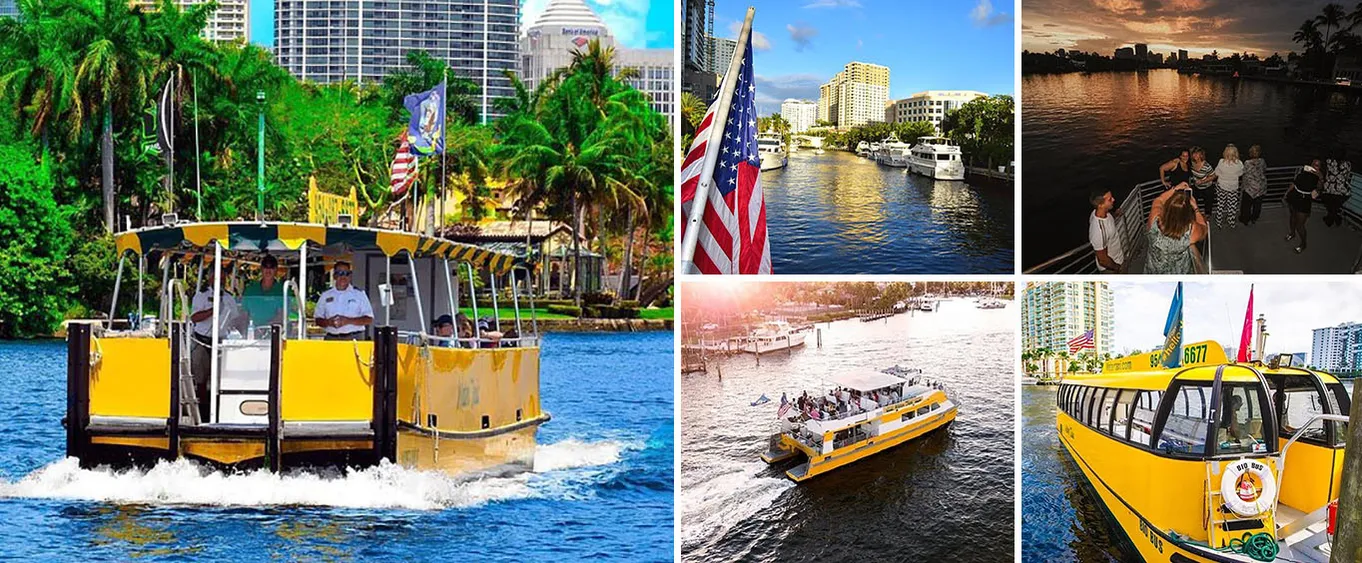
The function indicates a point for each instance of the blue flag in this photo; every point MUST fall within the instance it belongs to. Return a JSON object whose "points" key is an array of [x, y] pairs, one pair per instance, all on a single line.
{"points": [[426, 130], [1172, 332]]}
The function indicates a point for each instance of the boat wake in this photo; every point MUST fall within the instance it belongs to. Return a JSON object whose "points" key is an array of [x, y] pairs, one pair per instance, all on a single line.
{"points": [[561, 470], [712, 507]]}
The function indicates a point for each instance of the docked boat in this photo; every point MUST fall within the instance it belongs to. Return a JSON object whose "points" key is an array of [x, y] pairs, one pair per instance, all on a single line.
{"points": [[862, 149], [772, 336], [864, 414], [241, 394], [927, 304], [772, 151], [936, 157], [1212, 460], [991, 303], [817, 151], [893, 152]]}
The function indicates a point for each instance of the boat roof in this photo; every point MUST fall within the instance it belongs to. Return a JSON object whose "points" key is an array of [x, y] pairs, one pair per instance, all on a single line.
{"points": [[286, 236], [865, 380], [1144, 371]]}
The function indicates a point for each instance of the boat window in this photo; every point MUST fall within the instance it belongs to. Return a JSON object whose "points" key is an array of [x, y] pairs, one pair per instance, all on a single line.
{"points": [[1142, 417], [936, 406], [1105, 409], [1081, 406], [907, 417], [1188, 420], [922, 411], [943, 157], [1300, 404], [1120, 420], [1090, 410], [1344, 407], [1241, 428]]}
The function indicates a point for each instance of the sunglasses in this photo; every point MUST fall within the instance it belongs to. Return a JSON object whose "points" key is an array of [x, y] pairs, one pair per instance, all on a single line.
{"points": [[345, 273]]}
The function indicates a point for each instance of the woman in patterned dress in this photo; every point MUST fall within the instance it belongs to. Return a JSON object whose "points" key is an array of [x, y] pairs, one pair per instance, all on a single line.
{"points": [[1175, 226], [1338, 179], [1227, 173], [1254, 185]]}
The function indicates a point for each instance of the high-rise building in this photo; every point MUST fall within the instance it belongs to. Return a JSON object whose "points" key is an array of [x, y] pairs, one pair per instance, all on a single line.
{"points": [[723, 50], [566, 26], [1055, 312], [800, 113], [231, 21], [1142, 51], [696, 74], [9, 9], [1126, 53], [930, 106], [333, 40], [1182, 55], [856, 96], [1337, 348]]}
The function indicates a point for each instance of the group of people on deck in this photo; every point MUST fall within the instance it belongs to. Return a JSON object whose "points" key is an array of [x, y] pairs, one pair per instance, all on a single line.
{"points": [[840, 403], [1199, 195]]}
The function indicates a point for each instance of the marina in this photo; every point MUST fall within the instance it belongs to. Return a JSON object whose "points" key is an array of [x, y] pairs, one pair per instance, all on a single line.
{"points": [[731, 504], [839, 213]]}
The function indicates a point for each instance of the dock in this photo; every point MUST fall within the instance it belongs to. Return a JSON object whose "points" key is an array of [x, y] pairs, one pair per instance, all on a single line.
{"points": [[988, 177]]}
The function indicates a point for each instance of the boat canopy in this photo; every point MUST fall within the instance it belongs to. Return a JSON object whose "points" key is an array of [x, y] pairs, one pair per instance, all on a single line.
{"points": [[865, 380], [284, 236]]}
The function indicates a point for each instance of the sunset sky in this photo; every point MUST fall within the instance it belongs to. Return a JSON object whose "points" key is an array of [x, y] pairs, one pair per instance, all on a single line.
{"points": [[1199, 26]]}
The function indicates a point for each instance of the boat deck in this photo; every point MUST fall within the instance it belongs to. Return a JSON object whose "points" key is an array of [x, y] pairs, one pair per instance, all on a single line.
{"points": [[1311, 542], [776, 455], [799, 473]]}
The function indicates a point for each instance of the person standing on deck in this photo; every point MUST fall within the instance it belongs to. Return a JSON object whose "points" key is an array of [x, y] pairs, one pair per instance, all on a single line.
{"points": [[263, 299], [343, 311], [1227, 173], [1299, 198], [201, 349], [1104, 233], [1176, 171], [1254, 183], [1338, 179], [1175, 226], [1203, 178]]}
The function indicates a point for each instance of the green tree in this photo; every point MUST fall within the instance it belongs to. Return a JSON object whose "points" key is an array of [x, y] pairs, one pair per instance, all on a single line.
{"points": [[35, 235], [984, 129]]}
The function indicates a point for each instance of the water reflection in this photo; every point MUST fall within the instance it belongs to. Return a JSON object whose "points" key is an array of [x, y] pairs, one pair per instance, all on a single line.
{"points": [[1113, 129], [840, 214]]}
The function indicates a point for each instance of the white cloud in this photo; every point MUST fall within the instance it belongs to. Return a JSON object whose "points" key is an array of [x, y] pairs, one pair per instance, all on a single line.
{"points": [[1215, 311], [984, 16]]}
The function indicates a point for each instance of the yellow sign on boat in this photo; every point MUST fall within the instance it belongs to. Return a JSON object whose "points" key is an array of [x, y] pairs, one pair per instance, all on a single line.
{"points": [[1200, 353]]}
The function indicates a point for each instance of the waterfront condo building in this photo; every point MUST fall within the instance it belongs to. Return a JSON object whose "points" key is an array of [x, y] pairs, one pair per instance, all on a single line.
{"points": [[334, 40], [9, 9], [697, 26], [565, 26], [856, 96], [930, 106], [1055, 312], [1337, 348], [231, 21], [800, 113], [723, 50]]}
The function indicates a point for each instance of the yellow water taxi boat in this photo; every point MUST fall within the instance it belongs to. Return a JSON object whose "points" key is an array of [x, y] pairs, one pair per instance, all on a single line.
{"points": [[281, 395], [1213, 460], [866, 413]]}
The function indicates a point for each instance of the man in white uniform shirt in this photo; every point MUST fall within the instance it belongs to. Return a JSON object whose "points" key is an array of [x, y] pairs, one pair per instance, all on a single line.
{"points": [[343, 311], [201, 357]]}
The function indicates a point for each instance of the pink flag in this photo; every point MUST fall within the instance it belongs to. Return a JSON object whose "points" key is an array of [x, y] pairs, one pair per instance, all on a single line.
{"points": [[1246, 338]]}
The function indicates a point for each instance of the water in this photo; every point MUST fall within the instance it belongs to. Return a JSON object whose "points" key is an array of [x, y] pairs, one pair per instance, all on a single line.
{"points": [[837, 213], [947, 496], [1061, 520], [1114, 129], [602, 487]]}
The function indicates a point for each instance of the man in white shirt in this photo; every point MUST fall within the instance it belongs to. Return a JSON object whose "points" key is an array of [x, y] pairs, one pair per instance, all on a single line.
{"points": [[1104, 234], [201, 357], [343, 311]]}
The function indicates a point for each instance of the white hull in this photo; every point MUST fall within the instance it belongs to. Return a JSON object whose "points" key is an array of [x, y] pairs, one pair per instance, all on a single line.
{"points": [[940, 170], [892, 160], [772, 161], [763, 345]]}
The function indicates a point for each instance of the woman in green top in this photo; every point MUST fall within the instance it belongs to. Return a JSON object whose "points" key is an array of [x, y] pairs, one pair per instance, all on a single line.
{"points": [[263, 299]]}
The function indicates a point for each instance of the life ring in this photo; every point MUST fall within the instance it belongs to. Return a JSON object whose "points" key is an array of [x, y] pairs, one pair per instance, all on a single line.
{"points": [[1248, 487]]}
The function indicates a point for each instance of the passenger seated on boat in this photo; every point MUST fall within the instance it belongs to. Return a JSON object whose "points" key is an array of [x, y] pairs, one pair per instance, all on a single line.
{"points": [[343, 311], [443, 327]]}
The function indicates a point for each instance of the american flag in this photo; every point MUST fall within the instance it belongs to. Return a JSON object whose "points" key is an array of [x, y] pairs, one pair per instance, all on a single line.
{"points": [[404, 168], [732, 237], [1080, 342]]}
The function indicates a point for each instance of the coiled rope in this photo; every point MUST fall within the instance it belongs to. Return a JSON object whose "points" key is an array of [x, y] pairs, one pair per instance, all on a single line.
{"points": [[1260, 546]]}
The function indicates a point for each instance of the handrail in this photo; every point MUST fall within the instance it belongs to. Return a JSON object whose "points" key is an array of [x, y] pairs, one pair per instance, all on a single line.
{"points": [[302, 309], [1281, 461], [1135, 209]]}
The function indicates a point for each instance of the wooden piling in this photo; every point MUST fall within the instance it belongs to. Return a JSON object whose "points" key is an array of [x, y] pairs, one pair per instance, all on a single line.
{"points": [[1347, 546]]}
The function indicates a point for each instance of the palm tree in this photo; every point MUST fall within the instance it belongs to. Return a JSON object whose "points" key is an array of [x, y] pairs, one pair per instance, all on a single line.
{"points": [[37, 73], [1308, 36], [692, 113], [1332, 16]]}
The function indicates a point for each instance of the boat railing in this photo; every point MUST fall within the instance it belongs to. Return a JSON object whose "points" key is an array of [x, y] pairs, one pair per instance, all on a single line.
{"points": [[290, 285], [1281, 455], [1135, 210]]}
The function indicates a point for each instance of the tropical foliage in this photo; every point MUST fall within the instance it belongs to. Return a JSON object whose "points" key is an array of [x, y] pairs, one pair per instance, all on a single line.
{"points": [[79, 81]]}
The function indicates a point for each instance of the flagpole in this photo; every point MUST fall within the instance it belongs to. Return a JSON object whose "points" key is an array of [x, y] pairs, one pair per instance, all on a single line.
{"points": [[170, 138], [444, 146], [725, 100], [198, 178]]}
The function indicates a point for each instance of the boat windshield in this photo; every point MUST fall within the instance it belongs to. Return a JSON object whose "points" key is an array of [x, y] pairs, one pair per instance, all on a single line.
{"points": [[1238, 427], [1299, 400]]}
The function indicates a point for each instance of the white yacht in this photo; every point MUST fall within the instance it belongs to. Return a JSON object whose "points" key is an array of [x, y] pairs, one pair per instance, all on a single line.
{"points": [[937, 157], [862, 149], [893, 152], [772, 336], [772, 151]]}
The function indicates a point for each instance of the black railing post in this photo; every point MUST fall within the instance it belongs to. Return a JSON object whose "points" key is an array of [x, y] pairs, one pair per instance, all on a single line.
{"points": [[273, 451], [384, 377], [77, 390], [173, 421]]}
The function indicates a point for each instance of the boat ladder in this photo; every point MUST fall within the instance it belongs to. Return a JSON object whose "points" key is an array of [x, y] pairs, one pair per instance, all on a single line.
{"points": [[189, 400], [1219, 516]]}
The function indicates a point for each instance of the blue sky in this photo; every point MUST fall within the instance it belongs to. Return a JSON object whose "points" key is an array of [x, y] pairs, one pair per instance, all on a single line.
{"points": [[927, 44], [635, 23]]}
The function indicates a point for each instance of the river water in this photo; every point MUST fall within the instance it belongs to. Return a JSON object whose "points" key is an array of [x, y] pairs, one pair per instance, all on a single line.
{"points": [[947, 496], [837, 213], [1112, 130], [602, 487]]}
